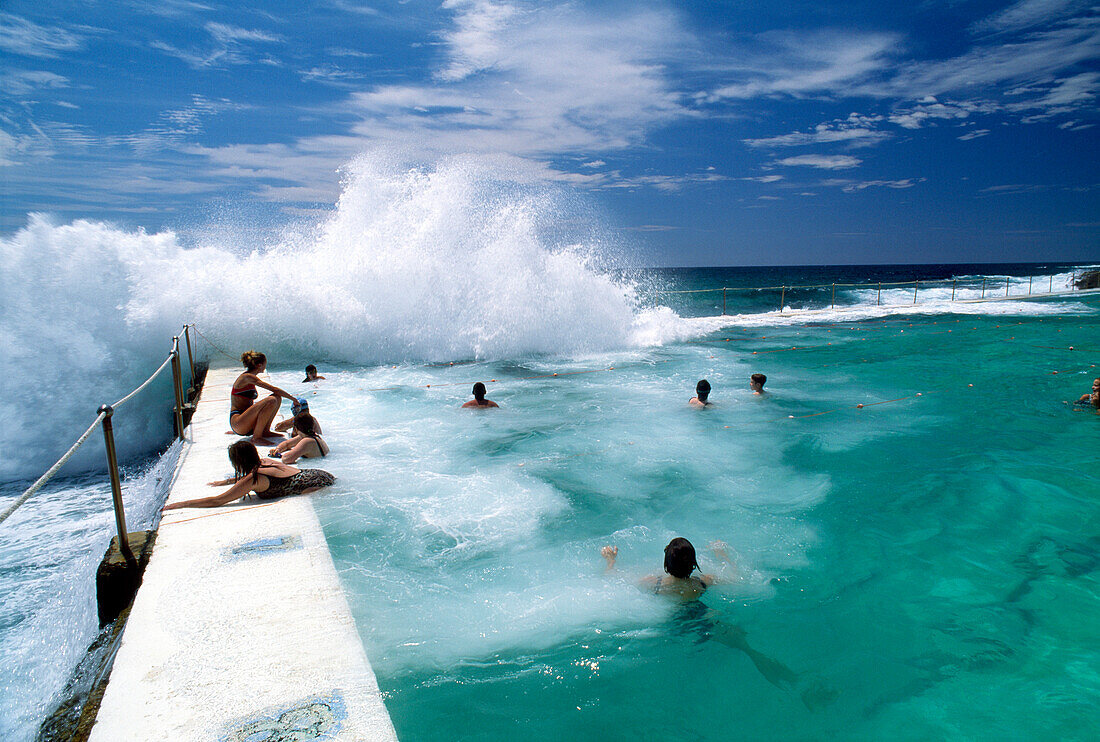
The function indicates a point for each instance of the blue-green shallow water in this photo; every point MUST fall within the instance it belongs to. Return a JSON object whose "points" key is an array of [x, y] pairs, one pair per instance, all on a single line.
{"points": [[932, 562]]}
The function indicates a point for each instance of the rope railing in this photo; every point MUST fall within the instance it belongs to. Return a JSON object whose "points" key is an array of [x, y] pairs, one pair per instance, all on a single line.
{"points": [[103, 418]]}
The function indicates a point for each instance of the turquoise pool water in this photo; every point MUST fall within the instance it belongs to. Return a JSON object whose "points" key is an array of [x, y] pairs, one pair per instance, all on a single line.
{"points": [[926, 564]]}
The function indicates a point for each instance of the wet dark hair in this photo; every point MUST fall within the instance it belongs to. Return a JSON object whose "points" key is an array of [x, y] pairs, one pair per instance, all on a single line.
{"points": [[680, 558], [479, 391], [305, 424], [760, 379], [253, 359], [245, 459], [702, 390]]}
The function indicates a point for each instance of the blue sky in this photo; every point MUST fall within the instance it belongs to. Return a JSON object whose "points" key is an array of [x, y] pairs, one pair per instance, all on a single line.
{"points": [[705, 133]]}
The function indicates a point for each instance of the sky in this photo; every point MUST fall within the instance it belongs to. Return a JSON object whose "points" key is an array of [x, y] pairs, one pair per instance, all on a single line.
{"points": [[702, 133]]}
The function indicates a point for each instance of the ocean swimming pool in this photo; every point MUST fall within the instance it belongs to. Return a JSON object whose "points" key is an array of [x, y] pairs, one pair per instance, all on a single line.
{"points": [[932, 559]]}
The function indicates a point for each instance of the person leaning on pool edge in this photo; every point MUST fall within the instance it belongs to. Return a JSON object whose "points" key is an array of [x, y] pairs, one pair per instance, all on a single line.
{"points": [[479, 398], [702, 391]]}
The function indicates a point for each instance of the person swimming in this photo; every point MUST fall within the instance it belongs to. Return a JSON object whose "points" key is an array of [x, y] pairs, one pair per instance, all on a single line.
{"points": [[693, 617], [311, 374], [246, 416], [1093, 397], [757, 382], [702, 391], [305, 443], [479, 398], [268, 478]]}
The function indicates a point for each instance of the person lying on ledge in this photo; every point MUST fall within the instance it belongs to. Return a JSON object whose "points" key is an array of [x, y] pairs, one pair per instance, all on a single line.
{"points": [[694, 618], [479, 398], [305, 443], [268, 478]]}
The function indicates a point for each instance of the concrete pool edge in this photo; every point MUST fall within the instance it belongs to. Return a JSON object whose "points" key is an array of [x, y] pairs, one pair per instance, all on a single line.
{"points": [[241, 625]]}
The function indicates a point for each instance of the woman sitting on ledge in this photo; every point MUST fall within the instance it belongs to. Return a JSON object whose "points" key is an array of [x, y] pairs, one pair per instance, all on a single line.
{"points": [[254, 418], [266, 477]]}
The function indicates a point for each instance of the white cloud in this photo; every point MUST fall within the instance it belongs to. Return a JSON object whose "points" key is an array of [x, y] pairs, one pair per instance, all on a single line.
{"points": [[20, 36], [806, 64], [824, 134], [854, 186], [1026, 14], [824, 162], [765, 178], [594, 163], [973, 135], [919, 115], [21, 83], [230, 46]]}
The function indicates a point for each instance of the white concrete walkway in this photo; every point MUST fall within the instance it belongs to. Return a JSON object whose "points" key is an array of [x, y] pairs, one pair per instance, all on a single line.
{"points": [[240, 630]]}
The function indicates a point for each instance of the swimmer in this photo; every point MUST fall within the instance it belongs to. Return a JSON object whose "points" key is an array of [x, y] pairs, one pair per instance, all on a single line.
{"points": [[1093, 397], [702, 391], [306, 442], [254, 418], [479, 398], [297, 406], [685, 589], [311, 374], [268, 478], [756, 383]]}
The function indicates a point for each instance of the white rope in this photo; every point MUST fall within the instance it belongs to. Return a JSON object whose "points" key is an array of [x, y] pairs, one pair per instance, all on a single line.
{"points": [[53, 469], [148, 381]]}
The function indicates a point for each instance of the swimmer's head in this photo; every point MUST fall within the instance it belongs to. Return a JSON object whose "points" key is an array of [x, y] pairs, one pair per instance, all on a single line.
{"points": [[253, 360], [479, 391], [757, 381], [702, 390], [1096, 385], [244, 457], [311, 372], [680, 558], [299, 405], [305, 424]]}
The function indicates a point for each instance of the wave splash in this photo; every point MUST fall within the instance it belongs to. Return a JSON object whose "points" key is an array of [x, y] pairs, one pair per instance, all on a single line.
{"points": [[461, 261]]}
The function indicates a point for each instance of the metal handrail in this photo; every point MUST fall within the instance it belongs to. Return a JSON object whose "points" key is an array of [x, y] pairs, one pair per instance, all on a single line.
{"points": [[105, 413], [916, 284]]}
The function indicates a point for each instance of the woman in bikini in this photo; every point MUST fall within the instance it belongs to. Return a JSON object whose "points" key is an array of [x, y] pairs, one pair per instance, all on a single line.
{"points": [[249, 417], [306, 442], [695, 618], [268, 478]]}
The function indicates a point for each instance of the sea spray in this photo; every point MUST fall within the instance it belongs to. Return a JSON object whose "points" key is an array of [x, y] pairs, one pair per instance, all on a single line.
{"points": [[463, 260]]}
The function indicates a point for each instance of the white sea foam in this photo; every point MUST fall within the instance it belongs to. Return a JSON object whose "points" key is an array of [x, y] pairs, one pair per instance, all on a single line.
{"points": [[450, 263]]}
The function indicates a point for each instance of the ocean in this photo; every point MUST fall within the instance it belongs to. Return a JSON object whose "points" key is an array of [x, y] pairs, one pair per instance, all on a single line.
{"points": [[911, 508]]}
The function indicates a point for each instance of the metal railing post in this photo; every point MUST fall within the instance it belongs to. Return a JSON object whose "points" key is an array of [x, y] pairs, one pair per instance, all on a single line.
{"points": [[190, 359], [1029, 285], [954, 281], [1050, 288], [983, 288], [1008, 282], [116, 483], [832, 304], [177, 385], [723, 301], [878, 299], [782, 298], [915, 285]]}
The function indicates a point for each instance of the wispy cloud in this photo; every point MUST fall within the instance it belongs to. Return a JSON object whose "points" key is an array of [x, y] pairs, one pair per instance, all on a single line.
{"points": [[973, 135], [854, 186], [19, 83], [229, 46], [20, 36], [824, 162], [1027, 14], [856, 131]]}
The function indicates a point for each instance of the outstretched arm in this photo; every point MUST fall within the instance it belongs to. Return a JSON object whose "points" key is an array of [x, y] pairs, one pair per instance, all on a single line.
{"points": [[610, 553], [271, 387], [720, 549], [236, 492]]}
